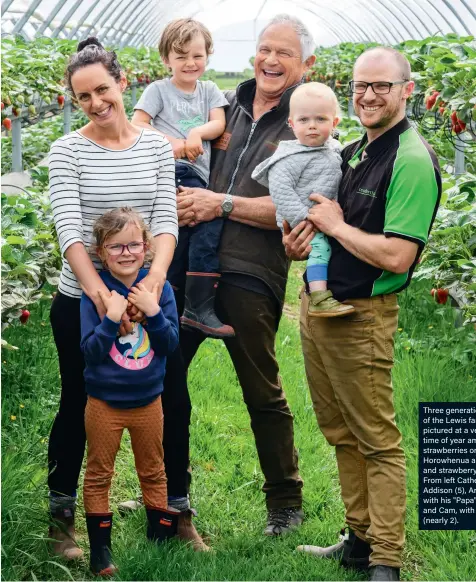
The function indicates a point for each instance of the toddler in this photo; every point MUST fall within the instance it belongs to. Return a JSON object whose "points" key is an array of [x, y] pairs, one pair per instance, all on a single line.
{"points": [[190, 113], [124, 379], [311, 163]]}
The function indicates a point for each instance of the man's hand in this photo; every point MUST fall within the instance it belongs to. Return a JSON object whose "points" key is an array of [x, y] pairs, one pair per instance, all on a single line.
{"points": [[193, 146], [327, 215], [199, 204], [297, 241], [178, 147], [144, 299]]}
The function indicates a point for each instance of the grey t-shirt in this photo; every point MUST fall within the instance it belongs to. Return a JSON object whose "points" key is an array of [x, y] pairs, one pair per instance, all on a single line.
{"points": [[175, 113]]}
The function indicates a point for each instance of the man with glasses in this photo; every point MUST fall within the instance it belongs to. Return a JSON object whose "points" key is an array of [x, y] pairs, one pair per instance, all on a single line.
{"points": [[387, 201]]}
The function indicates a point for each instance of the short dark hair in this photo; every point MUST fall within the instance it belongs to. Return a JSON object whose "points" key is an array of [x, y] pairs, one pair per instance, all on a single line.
{"points": [[90, 52]]}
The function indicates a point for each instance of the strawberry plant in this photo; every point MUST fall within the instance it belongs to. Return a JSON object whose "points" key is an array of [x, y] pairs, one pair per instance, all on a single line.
{"points": [[449, 258], [32, 71], [30, 253]]}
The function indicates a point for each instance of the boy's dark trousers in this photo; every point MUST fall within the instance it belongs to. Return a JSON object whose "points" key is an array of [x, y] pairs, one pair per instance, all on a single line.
{"points": [[197, 248], [195, 266]]}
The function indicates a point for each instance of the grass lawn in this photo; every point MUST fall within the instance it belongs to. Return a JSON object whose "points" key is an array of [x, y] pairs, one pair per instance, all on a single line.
{"points": [[434, 362]]}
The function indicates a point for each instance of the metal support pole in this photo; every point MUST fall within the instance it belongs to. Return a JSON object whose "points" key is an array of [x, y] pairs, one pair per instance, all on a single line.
{"points": [[67, 116], [460, 164], [17, 162], [134, 94], [350, 107]]}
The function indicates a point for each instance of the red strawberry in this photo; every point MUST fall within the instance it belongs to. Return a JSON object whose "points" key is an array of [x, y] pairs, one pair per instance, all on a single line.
{"points": [[3, 105], [16, 111], [25, 315], [441, 110], [60, 100], [440, 295], [7, 124]]}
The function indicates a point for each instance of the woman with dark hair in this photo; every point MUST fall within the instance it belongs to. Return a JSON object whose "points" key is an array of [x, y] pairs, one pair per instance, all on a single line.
{"points": [[106, 164]]}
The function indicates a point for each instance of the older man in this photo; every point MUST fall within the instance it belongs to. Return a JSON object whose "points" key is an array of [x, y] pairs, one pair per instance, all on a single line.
{"points": [[387, 201], [253, 262]]}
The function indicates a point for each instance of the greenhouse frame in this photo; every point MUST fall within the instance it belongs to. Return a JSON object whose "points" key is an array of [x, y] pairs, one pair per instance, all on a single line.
{"points": [[115, 21]]}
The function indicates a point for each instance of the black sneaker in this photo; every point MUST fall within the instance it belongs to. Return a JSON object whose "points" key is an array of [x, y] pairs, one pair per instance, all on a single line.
{"points": [[350, 551], [384, 573], [284, 520]]}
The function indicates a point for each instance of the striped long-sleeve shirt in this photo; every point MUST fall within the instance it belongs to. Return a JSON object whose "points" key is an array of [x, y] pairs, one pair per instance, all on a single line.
{"points": [[87, 179]]}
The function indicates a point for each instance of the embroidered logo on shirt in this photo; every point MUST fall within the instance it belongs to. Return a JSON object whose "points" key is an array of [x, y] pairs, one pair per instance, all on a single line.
{"points": [[366, 192], [222, 142], [133, 350]]}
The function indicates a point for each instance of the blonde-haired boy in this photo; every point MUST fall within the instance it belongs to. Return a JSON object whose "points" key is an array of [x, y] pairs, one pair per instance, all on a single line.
{"points": [[298, 168]]}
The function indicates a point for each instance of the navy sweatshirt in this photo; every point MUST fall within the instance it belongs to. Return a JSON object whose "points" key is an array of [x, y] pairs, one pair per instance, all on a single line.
{"points": [[127, 371]]}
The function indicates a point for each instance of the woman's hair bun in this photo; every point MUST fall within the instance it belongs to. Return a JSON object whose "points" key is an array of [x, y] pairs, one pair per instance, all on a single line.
{"points": [[91, 41]]}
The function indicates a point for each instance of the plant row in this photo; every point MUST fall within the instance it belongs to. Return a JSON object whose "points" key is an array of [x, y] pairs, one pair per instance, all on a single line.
{"points": [[32, 72], [29, 248], [444, 71]]}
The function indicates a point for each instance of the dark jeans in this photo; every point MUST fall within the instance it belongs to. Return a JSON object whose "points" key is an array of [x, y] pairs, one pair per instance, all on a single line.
{"points": [[67, 438], [197, 248], [255, 318]]}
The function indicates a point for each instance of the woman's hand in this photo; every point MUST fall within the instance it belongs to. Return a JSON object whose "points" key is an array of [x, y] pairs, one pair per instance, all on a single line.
{"points": [[185, 212], [115, 303], [144, 299], [155, 280], [99, 303], [178, 147], [297, 241], [193, 146]]}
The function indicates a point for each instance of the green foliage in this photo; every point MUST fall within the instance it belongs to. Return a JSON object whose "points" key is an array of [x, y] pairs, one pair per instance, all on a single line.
{"points": [[33, 71], [30, 254], [449, 258]]}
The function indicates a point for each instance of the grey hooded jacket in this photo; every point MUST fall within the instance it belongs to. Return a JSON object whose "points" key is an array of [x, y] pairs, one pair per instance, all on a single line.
{"points": [[294, 172]]}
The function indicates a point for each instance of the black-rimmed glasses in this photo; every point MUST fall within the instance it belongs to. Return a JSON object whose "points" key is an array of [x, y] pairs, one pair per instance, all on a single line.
{"points": [[378, 87], [133, 248]]}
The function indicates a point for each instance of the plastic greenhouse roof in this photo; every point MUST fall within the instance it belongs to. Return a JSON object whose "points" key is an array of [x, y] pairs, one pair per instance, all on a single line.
{"points": [[235, 25]]}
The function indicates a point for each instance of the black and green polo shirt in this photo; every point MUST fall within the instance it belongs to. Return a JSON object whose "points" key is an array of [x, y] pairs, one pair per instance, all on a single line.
{"points": [[395, 190]]}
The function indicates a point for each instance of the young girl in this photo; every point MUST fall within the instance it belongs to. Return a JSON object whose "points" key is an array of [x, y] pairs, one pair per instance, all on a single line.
{"points": [[300, 167], [190, 113], [124, 380]]}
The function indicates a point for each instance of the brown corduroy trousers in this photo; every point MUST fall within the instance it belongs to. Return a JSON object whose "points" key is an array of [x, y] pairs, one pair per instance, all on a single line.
{"points": [[348, 366], [104, 428]]}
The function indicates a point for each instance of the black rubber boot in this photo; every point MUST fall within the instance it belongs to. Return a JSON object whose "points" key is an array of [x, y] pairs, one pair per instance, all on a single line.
{"points": [[199, 310], [99, 532], [351, 551], [161, 524], [384, 573]]}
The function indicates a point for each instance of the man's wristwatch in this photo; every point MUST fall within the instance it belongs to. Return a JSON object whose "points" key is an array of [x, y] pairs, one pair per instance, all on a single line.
{"points": [[227, 205]]}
